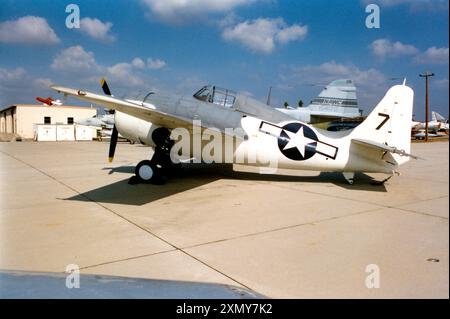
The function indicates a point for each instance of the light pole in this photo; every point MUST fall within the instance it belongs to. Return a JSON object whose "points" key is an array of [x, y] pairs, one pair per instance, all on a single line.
{"points": [[426, 75]]}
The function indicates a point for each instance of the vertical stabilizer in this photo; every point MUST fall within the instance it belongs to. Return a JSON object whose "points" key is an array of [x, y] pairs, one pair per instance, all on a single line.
{"points": [[390, 122]]}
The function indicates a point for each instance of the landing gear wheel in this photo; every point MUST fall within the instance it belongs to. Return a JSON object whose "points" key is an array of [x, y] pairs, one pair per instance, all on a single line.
{"points": [[148, 172], [349, 177]]}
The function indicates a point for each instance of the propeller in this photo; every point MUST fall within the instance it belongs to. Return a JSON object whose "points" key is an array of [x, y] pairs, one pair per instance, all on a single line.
{"points": [[115, 132]]}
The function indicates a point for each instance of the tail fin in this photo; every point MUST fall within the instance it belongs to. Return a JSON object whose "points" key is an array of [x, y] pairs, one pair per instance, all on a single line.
{"points": [[338, 93], [435, 116], [390, 121]]}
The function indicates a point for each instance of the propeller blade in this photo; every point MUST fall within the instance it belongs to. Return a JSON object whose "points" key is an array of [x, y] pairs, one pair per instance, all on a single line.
{"points": [[113, 143], [115, 132], [106, 90]]}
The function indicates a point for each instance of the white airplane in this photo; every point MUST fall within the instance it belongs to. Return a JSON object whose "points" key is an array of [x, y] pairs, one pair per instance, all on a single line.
{"points": [[437, 123], [264, 137], [337, 100], [100, 121], [435, 116]]}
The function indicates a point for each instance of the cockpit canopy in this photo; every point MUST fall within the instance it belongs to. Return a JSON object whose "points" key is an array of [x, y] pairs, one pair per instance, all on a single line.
{"points": [[216, 95]]}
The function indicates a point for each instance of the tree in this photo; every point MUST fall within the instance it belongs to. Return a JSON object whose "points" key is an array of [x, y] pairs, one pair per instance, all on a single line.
{"points": [[300, 103], [286, 104]]}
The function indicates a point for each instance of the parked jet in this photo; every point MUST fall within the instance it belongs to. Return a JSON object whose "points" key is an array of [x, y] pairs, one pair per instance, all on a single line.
{"points": [[49, 101], [262, 136], [100, 121], [435, 116], [437, 123], [337, 100]]}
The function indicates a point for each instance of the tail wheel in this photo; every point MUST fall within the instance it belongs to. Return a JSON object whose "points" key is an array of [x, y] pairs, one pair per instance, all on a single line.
{"points": [[148, 172]]}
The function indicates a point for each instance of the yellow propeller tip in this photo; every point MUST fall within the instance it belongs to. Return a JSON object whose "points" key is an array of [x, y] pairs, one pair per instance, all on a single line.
{"points": [[110, 159]]}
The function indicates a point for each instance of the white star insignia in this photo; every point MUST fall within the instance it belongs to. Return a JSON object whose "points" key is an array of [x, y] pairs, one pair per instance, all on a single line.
{"points": [[298, 140]]}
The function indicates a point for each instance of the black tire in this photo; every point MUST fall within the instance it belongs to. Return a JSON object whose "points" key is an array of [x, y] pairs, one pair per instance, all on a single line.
{"points": [[148, 173]]}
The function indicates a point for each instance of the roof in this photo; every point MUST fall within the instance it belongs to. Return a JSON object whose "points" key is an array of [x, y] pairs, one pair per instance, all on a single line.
{"points": [[53, 106]]}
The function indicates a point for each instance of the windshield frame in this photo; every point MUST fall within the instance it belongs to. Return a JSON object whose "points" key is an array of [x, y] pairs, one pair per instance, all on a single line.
{"points": [[216, 95]]}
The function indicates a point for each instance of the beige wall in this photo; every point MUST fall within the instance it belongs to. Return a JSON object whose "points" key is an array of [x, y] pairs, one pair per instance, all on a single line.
{"points": [[6, 121], [26, 116]]}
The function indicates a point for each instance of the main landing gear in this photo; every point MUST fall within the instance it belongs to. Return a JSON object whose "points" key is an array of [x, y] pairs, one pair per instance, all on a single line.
{"points": [[160, 166], [349, 177]]}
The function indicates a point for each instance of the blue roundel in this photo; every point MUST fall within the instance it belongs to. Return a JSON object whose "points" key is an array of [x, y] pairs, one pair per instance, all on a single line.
{"points": [[297, 142]]}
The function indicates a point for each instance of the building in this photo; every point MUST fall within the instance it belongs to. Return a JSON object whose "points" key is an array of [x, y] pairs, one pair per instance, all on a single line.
{"points": [[21, 119]]}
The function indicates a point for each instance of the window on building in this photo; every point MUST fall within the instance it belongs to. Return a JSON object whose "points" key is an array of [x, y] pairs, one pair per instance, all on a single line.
{"points": [[47, 120], [70, 120]]}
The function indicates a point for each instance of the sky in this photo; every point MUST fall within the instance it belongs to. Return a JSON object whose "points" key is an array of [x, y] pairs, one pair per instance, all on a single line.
{"points": [[177, 46]]}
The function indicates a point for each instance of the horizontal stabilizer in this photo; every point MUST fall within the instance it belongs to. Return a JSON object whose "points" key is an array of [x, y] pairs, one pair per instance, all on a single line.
{"points": [[383, 147]]}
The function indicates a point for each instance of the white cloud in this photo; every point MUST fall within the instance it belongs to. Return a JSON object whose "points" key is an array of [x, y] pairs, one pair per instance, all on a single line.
{"points": [[155, 63], [261, 34], [27, 30], [43, 83], [385, 48], [125, 75], [182, 11], [75, 59], [331, 70], [97, 29], [433, 55], [17, 86], [11, 77], [138, 63], [292, 33], [229, 20]]}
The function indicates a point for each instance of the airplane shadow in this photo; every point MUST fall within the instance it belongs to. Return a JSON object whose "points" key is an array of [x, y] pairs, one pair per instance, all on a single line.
{"points": [[197, 175]]}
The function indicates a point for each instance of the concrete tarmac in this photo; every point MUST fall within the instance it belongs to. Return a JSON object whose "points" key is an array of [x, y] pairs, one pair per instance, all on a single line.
{"points": [[306, 236]]}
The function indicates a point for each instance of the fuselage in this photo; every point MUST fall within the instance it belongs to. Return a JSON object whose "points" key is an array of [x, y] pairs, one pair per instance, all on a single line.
{"points": [[256, 140]]}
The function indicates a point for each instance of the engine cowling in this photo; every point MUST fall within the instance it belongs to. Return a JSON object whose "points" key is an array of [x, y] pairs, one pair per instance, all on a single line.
{"points": [[138, 130]]}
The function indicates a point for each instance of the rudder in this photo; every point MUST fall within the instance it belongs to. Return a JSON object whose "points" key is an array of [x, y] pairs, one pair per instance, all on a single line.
{"points": [[390, 122]]}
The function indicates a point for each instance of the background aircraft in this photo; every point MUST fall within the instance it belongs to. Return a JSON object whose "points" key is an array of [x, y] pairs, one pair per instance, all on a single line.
{"points": [[99, 121], [262, 136], [49, 101], [437, 123], [435, 116], [337, 100]]}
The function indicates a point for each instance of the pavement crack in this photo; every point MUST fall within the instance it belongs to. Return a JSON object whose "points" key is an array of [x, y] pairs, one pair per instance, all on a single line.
{"points": [[126, 259], [284, 228], [129, 221]]}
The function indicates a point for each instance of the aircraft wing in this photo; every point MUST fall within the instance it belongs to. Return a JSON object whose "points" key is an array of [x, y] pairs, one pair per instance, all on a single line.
{"points": [[382, 147], [151, 115]]}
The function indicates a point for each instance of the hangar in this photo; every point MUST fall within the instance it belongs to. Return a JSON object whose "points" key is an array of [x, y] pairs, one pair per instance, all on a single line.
{"points": [[22, 119]]}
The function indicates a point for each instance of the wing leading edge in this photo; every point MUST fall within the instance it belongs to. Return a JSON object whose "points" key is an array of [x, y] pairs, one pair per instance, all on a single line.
{"points": [[151, 115]]}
